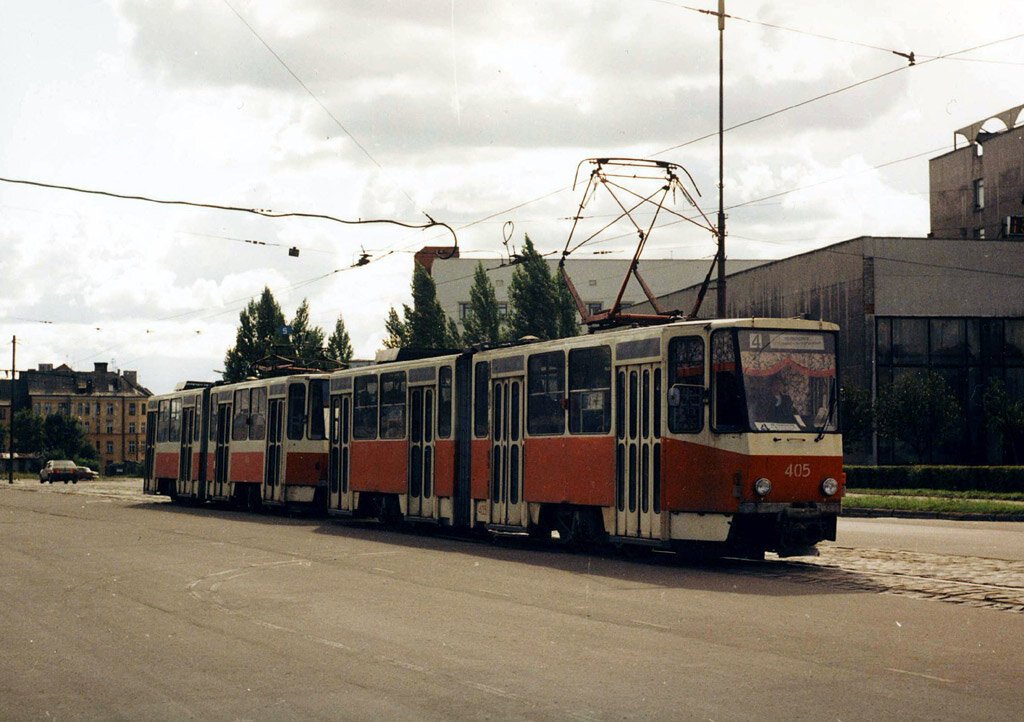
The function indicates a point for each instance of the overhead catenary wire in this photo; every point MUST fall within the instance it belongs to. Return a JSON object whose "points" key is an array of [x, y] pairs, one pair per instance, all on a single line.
{"points": [[236, 209]]}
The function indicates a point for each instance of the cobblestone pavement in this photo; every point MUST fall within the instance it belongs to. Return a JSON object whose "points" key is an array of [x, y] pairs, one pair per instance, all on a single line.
{"points": [[977, 581]]}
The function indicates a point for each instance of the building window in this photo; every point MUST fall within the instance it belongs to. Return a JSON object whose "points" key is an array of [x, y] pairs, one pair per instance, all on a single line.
{"points": [[131, 409], [110, 447], [463, 311], [502, 310], [64, 407], [979, 194], [110, 427], [46, 409], [133, 448], [35, 409], [978, 234], [110, 409], [3, 414], [594, 308], [131, 427]]}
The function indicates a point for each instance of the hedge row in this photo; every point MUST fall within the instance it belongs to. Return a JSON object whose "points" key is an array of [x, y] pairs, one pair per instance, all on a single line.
{"points": [[945, 478]]}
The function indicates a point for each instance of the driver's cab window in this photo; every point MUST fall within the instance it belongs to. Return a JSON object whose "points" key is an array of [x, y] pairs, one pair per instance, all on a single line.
{"points": [[727, 411], [686, 385]]}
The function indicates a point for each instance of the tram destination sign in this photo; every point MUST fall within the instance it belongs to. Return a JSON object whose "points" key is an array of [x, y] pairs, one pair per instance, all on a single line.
{"points": [[768, 341]]}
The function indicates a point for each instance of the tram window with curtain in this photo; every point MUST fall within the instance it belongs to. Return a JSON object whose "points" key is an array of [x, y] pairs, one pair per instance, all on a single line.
{"points": [[444, 402], [481, 394], [392, 405], [686, 385], [545, 412], [319, 400], [364, 407], [296, 410], [590, 390]]}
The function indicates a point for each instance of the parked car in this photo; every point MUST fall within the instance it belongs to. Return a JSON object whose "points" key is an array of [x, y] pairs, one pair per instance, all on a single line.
{"points": [[62, 470], [84, 472]]}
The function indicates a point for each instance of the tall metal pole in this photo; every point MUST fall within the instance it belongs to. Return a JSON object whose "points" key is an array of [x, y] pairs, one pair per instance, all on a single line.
{"points": [[721, 162], [10, 447]]}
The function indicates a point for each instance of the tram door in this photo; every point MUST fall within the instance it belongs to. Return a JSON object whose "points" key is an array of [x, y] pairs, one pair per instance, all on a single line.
{"points": [[638, 451], [272, 487], [188, 421], [338, 463], [150, 481], [507, 505], [221, 453], [421, 452]]}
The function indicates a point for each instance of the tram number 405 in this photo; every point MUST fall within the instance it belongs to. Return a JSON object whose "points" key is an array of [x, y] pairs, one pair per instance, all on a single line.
{"points": [[798, 471]]}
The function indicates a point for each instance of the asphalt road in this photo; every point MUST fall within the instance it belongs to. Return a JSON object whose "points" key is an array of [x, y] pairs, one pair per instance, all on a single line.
{"points": [[118, 606]]}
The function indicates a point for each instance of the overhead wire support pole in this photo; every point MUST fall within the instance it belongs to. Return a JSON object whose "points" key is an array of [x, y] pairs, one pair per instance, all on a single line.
{"points": [[721, 162]]}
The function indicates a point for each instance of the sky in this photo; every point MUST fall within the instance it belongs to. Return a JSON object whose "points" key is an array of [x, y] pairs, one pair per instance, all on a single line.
{"points": [[474, 113]]}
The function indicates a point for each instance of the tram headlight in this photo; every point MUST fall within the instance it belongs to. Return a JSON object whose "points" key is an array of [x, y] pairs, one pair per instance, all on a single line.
{"points": [[829, 486], [762, 486]]}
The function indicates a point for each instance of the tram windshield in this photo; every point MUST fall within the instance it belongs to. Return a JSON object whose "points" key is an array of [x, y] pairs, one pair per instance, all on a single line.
{"points": [[789, 380]]}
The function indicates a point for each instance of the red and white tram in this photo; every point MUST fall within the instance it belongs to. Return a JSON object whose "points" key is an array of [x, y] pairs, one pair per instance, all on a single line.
{"points": [[721, 435], [255, 442]]}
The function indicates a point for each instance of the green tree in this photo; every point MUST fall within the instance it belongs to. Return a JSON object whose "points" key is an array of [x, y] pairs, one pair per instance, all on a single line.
{"points": [[425, 325], [63, 437], [919, 410], [1005, 416], [565, 309], [307, 340], [339, 345], [483, 322], [259, 324], [28, 432], [538, 304], [856, 415]]}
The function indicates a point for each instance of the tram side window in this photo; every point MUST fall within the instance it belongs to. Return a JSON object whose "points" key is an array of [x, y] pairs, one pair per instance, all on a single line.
{"points": [[212, 427], [296, 410], [545, 413], [240, 422], [727, 413], [174, 428], [444, 402], [319, 401], [392, 405], [364, 407], [258, 421], [481, 394], [164, 420], [590, 390], [686, 385]]}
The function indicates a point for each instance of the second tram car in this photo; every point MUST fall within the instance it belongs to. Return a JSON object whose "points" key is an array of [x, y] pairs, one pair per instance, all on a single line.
{"points": [[719, 435]]}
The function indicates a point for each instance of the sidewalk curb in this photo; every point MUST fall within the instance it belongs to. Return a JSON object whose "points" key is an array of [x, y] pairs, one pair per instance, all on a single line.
{"points": [[950, 515]]}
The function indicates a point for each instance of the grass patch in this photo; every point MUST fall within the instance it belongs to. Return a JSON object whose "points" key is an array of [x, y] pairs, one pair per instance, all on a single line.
{"points": [[943, 493], [892, 502]]}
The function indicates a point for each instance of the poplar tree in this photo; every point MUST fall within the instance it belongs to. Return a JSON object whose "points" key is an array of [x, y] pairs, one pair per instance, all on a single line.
{"points": [[307, 340], [259, 325], [425, 325], [539, 305], [339, 345], [483, 322]]}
